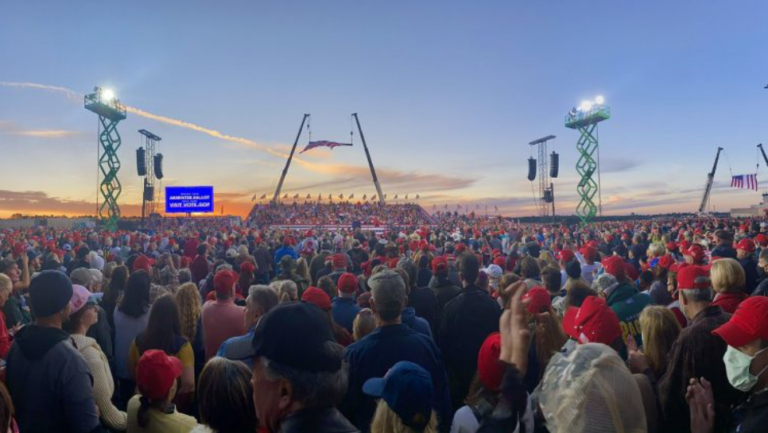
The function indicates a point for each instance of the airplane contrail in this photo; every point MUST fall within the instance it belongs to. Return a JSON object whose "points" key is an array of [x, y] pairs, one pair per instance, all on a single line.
{"points": [[76, 96]]}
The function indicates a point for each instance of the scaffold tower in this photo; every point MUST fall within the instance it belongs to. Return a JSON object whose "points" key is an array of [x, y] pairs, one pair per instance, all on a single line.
{"points": [[585, 119], [110, 112]]}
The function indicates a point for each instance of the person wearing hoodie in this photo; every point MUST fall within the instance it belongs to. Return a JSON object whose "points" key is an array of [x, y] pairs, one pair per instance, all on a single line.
{"points": [[83, 314], [624, 299], [408, 316], [48, 378]]}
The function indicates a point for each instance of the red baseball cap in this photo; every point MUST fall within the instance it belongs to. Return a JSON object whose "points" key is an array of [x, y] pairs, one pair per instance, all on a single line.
{"points": [[156, 372], [142, 263], [761, 239], [537, 298], [671, 245], [489, 369], [666, 262], [748, 323], [565, 255], [439, 264], [247, 267], [589, 252], [596, 322], [696, 251], [500, 262], [339, 261], [614, 265], [568, 321], [747, 245], [687, 276], [316, 296], [347, 283], [224, 281]]}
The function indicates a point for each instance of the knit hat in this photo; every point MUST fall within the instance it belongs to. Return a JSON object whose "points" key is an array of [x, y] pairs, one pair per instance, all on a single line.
{"points": [[573, 269], [49, 293]]}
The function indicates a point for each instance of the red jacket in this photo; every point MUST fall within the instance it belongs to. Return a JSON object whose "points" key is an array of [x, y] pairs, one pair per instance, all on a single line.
{"points": [[729, 301], [5, 337]]}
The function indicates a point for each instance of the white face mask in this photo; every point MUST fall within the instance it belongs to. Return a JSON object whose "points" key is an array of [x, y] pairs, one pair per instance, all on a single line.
{"points": [[737, 365]]}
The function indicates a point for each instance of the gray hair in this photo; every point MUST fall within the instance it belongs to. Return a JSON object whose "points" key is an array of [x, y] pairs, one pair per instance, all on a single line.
{"points": [[698, 295], [82, 276], [312, 389], [605, 283], [185, 276], [262, 296]]}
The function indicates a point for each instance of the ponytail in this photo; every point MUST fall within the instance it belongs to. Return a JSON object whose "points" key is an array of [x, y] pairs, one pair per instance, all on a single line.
{"points": [[143, 414]]}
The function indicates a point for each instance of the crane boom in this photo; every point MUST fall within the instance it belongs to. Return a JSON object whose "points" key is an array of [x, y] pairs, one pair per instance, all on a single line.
{"points": [[763, 151], [710, 180]]}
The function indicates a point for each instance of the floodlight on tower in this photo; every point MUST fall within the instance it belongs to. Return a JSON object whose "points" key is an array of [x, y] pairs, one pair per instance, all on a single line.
{"points": [[107, 95], [586, 105], [600, 100]]}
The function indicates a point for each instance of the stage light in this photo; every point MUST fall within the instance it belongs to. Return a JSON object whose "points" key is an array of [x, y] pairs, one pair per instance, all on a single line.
{"points": [[586, 105], [600, 100], [107, 94]]}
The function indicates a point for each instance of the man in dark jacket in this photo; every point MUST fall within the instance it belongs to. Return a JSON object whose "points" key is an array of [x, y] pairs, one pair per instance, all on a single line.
{"points": [[762, 287], [444, 289], [467, 321], [745, 253], [389, 344], [421, 299], [51, 385], [318, 262], [724, 248], [265, 264], [298, 373], [696, 353]]}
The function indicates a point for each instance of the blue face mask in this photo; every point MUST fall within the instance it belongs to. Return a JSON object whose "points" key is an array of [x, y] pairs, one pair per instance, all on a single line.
{"points": [[737, 365]]}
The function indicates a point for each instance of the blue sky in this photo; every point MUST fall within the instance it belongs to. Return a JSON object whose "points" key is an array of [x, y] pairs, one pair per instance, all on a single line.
{"points": [[449, 94]]}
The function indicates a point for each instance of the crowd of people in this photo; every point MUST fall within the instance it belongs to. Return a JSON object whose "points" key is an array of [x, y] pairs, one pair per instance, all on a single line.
{"points": [[338, 213], [461, 325]]}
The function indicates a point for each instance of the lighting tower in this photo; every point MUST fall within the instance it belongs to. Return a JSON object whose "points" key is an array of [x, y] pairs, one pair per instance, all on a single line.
{"points": [[148, 204], [543, 204], [104, 103], [585, 119]]}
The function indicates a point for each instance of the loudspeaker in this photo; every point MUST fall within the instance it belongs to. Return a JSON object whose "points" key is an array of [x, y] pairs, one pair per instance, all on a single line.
{"points": [[159, 166], [141, 163], [548, 198], [531, 169], [149, 193], [554, 164]]}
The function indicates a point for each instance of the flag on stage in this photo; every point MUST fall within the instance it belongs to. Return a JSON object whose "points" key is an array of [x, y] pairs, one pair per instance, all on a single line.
{"points": [[263, 197], [323, 143], [352, 196], [330, 196], [373, 198], [395, 196], [406, 196], [308, 197], [296, 196], [286, 195], [496, 208], [341, 196], [253, 198], [365, 196], [319, 197], [745, 181], [418, 196]]}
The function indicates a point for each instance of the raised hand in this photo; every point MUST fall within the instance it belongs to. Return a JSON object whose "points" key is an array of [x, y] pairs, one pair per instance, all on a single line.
{"points": [[513, 326], [701, 402]]}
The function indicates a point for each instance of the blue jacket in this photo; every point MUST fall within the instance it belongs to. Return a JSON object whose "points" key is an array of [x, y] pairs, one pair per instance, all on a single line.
{"points": [[409, 319], [239, 348], [344, 311], [284, 251], [375, 354]]}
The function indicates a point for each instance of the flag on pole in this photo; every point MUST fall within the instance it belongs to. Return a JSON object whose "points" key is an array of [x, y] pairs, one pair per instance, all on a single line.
{"points": [[222, 209], [458, 206], [263, 197], [296, 196], [418, 196], [351, 196], [395, 196], [373, 198], [253, 198], [745, 181], [323, 143], [496, 208], [406, 196], [341, 196], [385, 196], [286, 195], [308, 197], [330, 196], [319, 197], [365, 196], [446, 206]]}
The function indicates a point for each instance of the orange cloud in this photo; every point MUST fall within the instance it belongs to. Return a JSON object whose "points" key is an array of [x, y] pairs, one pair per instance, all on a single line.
{"points": [[10, 128]]}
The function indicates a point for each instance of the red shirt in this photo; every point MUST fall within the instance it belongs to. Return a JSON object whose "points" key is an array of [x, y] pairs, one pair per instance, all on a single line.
{"points": [[729, 301], [5, 337]]}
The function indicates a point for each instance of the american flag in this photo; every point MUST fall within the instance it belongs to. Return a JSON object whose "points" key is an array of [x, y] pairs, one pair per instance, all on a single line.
{"points": [[323, 143], [745, 181]]}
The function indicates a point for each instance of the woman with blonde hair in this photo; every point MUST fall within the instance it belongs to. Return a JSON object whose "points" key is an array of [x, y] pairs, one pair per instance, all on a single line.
{"points": [[287, 291], [302, 269], [364, 324], [660, 329], [728, 280], [190, 315], [405, 400]]}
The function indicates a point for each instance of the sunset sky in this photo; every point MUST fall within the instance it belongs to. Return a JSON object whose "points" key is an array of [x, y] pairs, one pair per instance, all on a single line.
{"points": [[449, 93]]}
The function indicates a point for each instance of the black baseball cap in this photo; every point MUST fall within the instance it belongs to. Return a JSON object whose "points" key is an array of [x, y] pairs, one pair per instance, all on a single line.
{"points": [[296, 334]]}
